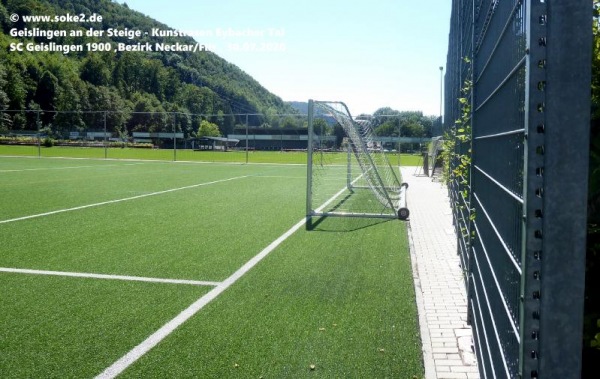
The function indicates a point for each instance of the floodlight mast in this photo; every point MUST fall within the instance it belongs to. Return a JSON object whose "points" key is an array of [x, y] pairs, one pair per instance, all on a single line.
{"points": [[441, 92]]}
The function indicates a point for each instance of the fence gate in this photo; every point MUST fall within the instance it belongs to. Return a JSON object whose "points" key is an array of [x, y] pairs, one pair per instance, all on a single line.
{"points": [[518, 178]]}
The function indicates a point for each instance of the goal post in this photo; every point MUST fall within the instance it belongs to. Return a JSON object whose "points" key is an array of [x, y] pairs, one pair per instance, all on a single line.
{"points": [[357, 182]]}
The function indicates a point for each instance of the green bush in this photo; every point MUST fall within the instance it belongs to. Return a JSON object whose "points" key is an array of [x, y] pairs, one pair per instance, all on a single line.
{"points": [[48, 142]]}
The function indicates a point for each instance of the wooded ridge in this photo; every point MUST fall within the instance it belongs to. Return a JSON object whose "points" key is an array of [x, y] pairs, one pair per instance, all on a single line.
{"points": [[115, 65]]}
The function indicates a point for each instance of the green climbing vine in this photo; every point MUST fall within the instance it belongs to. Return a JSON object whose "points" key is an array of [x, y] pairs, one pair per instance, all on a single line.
{"points": [[457, 151]]}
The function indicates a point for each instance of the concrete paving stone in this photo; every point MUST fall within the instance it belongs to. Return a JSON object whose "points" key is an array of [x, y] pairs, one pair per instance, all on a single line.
{"points": [[444, 339], [437, 270], [451, 375], [449, 362], [445, 325], [443, 349], [461, 368], [463, 332]]}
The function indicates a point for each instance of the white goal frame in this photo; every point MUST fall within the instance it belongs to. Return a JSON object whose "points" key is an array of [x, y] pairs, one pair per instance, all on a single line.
{"points": [[391, 193]]}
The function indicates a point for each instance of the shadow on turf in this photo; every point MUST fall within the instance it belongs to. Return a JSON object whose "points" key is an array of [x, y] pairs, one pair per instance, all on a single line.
{"points": [[345, 224]]}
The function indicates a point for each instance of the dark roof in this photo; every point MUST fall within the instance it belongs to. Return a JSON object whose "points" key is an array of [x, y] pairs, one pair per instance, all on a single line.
{"points": [[221, 139]]}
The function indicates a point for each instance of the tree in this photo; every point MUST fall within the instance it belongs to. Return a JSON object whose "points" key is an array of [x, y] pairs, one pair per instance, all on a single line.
{"points": [[339, 133], [389, 122], [46, 94], [413, 129], [320, 127], [208, 129], [95, 70], [4, 20], [15, 88], [225, 123], [389, 128], [289, 122], [148, 114], [4, 118]]}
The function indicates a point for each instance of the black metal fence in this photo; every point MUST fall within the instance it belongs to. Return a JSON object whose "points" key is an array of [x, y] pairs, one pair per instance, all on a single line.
{"points": [[171, 136], [147, 135], [517, 121]]}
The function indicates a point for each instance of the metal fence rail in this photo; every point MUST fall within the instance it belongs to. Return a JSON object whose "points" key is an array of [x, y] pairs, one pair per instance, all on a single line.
{"points": [[526, 145], [172, 136]]}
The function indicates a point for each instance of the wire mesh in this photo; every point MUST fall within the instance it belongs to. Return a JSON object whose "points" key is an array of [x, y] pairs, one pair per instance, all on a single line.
{"points": [[175, 136], [355, 175], [375, 167]]}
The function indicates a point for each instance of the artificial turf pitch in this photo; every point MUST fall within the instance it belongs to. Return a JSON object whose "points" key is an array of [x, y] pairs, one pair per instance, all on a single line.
{"points": [[334, 302]]}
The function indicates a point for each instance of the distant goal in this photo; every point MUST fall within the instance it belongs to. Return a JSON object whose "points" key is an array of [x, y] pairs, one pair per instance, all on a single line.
{"points": [[355, 179]]}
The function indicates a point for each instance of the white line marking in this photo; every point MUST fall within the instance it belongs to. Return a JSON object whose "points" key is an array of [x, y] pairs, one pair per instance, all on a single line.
{"points": [[140, 350], [119, 200], [69, 167], [105, 276], [279, 177]]}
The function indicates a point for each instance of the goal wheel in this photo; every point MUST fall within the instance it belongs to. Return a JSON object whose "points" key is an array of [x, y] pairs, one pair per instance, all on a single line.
{"points": [[403, 213]]}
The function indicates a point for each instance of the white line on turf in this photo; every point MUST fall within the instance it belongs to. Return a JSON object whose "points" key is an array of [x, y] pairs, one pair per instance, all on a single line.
{"points": [[279, 177], [119, 200], [106, 276], [69, 167], [140, 350]]}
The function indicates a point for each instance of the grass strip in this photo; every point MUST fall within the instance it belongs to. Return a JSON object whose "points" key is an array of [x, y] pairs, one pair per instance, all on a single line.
{"points": [[337, 302], [63, 327], [283, 157], [203, 233]]}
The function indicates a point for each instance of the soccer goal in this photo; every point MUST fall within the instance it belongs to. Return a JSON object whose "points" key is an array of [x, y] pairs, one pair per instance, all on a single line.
{"points": [[355, 179]]}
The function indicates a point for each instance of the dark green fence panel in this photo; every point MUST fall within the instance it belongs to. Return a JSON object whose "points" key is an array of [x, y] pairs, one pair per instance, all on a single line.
{"points": [[521, 70]]}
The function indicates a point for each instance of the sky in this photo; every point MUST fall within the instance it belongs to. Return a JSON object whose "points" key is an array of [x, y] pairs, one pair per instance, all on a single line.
{"points": [[368, 54]]}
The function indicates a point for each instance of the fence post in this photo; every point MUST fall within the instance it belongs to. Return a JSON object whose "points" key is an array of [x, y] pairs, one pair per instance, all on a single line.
{"points": [[247, 139], [105, 138], [309, 164], [37, 125], [565, 178], [174, 137]]}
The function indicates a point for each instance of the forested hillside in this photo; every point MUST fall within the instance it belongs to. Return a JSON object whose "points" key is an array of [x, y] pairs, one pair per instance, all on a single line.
{"points": [[122, 82]]}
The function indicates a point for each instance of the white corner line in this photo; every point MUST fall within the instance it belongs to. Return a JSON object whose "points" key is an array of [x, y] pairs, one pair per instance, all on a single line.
{"points": [[119, 200], [146, 345], [107, 276]]}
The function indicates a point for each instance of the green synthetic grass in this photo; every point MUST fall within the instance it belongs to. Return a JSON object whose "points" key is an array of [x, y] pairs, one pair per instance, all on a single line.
{"points": [[64, 327], [289, 157], [340, 297], [205, 232]]}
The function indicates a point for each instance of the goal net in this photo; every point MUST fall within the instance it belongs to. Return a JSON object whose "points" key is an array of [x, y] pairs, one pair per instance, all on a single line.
{"points": [[354, 178]]}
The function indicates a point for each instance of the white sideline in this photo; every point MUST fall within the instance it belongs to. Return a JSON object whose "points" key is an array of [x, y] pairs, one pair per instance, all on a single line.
{"points": [[118, 200], [137, 352], [279, 177], [69, 167], [107, 276]]}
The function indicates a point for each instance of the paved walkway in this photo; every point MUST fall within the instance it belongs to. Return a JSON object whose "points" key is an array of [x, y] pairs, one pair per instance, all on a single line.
{"points": [[439, 284]]}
